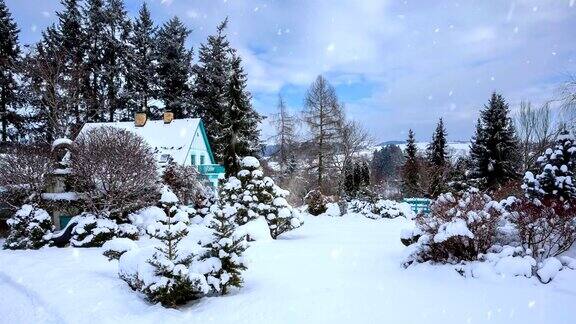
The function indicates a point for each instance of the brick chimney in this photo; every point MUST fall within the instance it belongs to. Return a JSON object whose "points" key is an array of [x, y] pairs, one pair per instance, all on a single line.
{"points": [[140, 119], [168, 117]]}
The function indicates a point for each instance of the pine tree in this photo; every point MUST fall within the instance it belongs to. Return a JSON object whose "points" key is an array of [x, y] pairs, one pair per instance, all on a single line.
{"points": [[241, 133], [557, 167], [141, 77], [174, 68], [116, 32], [175, 285], [211, 88], [437, 157], [9, 51], [494, 149], [224, 252], [74, 47], [94, 85], [254, 195], [411, 186]]}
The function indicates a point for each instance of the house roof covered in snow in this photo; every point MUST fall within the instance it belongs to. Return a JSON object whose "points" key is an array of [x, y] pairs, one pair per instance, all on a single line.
{"points": [[174, 138]]}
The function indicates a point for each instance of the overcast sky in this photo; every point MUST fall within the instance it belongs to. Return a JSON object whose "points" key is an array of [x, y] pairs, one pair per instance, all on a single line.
{"points": [[395, 64]]}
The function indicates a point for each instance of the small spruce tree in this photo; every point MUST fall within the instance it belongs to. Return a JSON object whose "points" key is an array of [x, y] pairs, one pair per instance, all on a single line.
{"points": [[175, 285], [224, 252]]}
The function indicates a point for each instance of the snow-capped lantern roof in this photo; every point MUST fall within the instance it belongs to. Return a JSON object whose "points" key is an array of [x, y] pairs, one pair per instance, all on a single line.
{"points": [[168, 140]]}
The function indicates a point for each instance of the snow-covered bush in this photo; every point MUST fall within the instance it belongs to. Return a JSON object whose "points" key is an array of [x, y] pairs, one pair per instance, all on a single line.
{"points": [[546, 227], [165, 277], [316, 202], [457, 229], [222, 262], [128, 231], [29, 228], [114, 248], [92, 230], [115, 170], [382, 209], [254, 195]]}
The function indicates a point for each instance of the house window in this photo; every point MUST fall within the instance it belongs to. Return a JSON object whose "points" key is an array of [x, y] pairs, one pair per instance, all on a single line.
{"points": [[201, 159], [193, 158]]}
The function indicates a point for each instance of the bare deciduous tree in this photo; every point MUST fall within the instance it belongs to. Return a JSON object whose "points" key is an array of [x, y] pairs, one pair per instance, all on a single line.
{"points": [[24, 170], [114, 170], [285, 137], [322, 116], [535, 132]]}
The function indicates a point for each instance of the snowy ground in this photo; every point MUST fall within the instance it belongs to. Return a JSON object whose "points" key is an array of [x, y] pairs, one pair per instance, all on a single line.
{"points": [[332, 270]]}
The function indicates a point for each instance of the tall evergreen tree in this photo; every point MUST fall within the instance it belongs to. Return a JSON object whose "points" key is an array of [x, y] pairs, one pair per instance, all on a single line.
{"points": [[174, 67], [494, 149], [241, 133], [211, 87], [437, 157], [116, 32], [9, 51], [141, 77], [70, 27], [411, 186], [94, 83]]}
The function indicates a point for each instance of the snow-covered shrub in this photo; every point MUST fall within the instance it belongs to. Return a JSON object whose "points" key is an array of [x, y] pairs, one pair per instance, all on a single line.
{"points": [[114, 248], [254, 195], [115, 170], [545, 227], [222, 262], [183, 180], [29, 228], [166, 277], [204, 200], [385, 209], [410, 236], [457, 229], [316, 202], [92, 231], [556, 174], [127, 231]]}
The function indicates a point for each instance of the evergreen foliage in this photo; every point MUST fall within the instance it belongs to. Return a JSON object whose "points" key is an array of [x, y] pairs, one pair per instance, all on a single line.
{"points": [[438, 162], [241, 135], [29, 228], [174, 284], [411, 185], [494, 149], [174, 68], [254, 195], [386, 163], [223, 256], [211, 88], [557, 166], [9, 52], [141, 77], [356, 177]]}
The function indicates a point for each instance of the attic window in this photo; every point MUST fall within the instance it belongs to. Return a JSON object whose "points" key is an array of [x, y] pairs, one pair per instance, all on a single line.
{"points": [[165, 158]]}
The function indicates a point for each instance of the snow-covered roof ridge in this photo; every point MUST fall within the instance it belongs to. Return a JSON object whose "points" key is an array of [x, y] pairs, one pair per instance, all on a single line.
{"points": [[172, 138]]}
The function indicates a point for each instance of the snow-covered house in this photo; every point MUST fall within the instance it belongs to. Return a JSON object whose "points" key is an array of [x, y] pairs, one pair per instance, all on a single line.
{"points": [[183, 141]]}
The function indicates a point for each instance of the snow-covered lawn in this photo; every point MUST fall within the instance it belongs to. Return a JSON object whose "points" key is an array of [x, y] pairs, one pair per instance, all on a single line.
{"points": [[332, 270]]}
